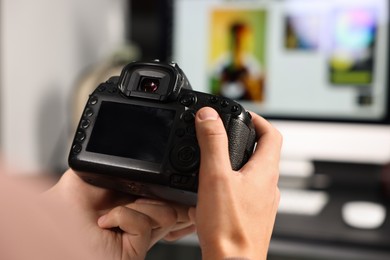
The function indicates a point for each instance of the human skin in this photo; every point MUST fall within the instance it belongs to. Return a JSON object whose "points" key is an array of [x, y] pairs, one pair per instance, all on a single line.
{"points": [[234, 216], [236, 210], [75, 220], [120, 226]]}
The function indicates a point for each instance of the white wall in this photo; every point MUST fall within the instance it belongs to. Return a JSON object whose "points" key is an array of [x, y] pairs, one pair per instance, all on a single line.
{"points": [[45, 45]]}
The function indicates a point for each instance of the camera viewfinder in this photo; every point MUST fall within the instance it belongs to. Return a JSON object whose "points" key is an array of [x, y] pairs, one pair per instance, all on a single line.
{"points": [[149, 84]]}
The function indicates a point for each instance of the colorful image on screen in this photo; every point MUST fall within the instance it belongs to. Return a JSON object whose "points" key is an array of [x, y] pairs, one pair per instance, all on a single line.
{"points": [[299, 59], [236, 55], [352, 56], [302, 32]]}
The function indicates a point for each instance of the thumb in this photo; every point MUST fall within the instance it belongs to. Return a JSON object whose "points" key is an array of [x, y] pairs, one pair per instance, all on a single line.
{"points": [[213, 143]]}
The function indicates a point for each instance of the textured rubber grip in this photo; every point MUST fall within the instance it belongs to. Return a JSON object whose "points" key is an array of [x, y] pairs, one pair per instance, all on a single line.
{"points": [[241, 141]]}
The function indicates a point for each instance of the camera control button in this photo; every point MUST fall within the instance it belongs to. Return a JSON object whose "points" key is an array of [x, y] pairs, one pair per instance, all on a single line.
{"points": [[112, 89], [113, 80], [76, 148], [93, 100], [213, 99], [188, 100], [180, 132], [80, 136], [85, 123], [176, 179], [101, 88], [184, 179], [224, 103], [88, 112], [235, 109], [188, 116], [186, 154], [185, 157], [180, 180]]}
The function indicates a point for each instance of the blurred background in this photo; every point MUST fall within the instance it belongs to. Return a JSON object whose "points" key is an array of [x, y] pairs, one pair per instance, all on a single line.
{"points": [[316, 69]]}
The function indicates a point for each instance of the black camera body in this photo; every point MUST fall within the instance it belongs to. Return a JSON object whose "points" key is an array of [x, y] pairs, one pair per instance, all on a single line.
{"points": [[137, 133]]}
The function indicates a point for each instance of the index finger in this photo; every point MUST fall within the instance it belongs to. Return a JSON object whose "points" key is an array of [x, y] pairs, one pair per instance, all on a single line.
{"points": [[268, 147]]}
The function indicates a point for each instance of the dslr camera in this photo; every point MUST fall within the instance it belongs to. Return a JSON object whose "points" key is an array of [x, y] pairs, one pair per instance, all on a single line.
{"points": [[137, 133]]}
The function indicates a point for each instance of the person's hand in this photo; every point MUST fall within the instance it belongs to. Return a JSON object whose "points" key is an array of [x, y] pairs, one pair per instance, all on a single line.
{"points": [[117, 225], [236, 210]]}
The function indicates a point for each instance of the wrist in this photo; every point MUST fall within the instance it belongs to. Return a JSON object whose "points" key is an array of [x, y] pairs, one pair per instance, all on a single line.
{"points": [[230, 250]]}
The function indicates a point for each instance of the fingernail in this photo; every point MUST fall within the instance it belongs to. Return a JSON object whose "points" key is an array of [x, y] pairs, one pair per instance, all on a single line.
{"points": [[101, 220], [208, 114]]}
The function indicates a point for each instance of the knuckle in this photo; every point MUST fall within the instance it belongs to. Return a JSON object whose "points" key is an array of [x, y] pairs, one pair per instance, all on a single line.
{"points": [[123, 215], [277, 136], [118, 212], [270, 174], [220, 179], [219, 176], [274, 178], [144, 223]]}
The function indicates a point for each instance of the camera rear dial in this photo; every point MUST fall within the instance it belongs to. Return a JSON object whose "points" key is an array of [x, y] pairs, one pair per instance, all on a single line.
{"points": [[185, 156]]}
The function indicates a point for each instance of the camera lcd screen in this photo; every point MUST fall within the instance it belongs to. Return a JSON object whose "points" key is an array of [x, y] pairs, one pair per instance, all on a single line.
{"points": [[131, 131]]}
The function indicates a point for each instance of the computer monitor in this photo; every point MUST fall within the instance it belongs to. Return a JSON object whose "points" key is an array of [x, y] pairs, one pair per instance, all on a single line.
{"points": [[318, 69]]}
